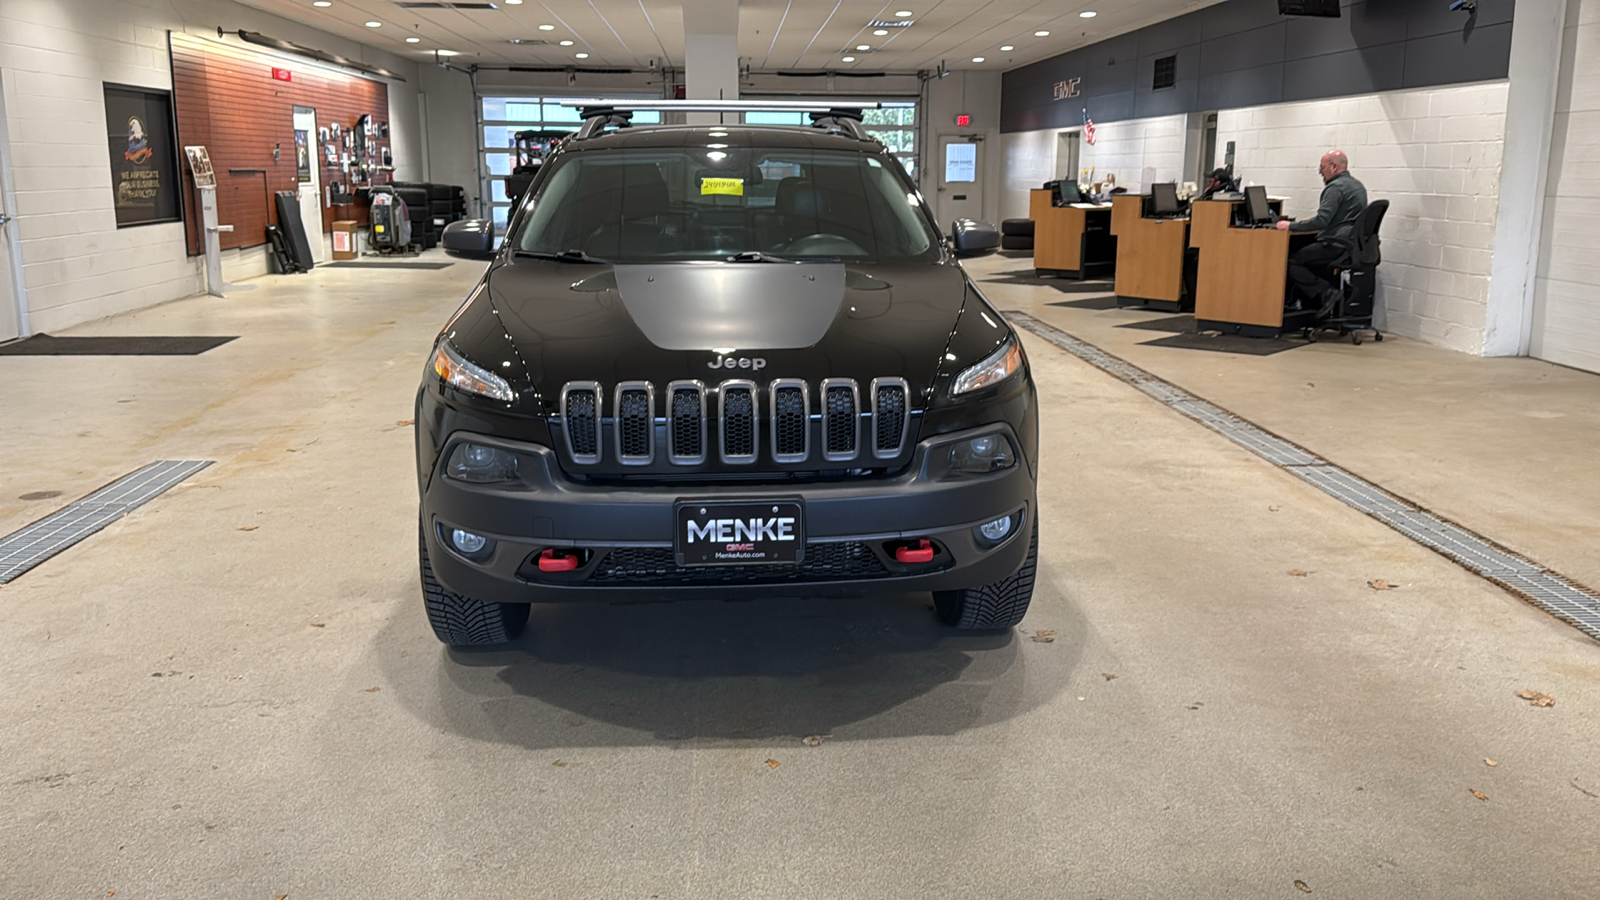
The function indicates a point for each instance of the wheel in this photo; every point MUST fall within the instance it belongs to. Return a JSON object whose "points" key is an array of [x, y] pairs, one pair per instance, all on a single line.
{"points": [[992, 606], [1311, 335], [1355, 338], [462, 621], [1377, 335]]}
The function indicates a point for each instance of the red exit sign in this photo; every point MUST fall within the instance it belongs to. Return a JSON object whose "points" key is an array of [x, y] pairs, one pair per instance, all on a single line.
{"points": [[963, 120], [283, 74]]}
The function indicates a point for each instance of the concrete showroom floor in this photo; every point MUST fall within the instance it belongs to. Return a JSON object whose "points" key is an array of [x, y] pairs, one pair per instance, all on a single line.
{"points": [[233, 692]]}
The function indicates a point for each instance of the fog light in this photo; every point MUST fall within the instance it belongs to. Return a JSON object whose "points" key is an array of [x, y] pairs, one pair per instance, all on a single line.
{"points": [[481, 464], [467, 542], [996, 530]]}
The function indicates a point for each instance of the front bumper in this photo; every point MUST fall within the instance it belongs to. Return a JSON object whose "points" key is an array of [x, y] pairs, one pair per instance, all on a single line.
{"points": [[624, 534]]}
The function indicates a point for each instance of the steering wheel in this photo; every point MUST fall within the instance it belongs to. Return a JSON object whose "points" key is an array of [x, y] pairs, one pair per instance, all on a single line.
{"points": [[820, 244]]}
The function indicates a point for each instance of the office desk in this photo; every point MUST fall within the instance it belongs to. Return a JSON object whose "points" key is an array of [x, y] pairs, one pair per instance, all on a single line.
{"points": [[1068, 240], [1242, 281], [1150, 255]]}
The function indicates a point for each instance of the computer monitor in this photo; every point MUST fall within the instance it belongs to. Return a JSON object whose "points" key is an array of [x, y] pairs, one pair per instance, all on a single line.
{"points": [[1255, 204], [1164, 198], [1065, 192]]}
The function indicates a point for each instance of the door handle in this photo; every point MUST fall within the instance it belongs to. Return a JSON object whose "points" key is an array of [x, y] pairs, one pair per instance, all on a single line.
{"points": [[4, 219]]}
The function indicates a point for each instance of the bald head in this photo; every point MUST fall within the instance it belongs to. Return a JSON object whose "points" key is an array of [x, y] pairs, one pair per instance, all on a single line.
{"points": [[1334, 162]]}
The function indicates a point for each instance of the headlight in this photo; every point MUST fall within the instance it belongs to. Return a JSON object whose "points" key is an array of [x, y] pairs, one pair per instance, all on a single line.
{"points": [[970, 456], [481, 464], [473, 379], [995, 368]]}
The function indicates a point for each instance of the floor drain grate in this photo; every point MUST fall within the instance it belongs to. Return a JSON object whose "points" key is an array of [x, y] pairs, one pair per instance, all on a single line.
{"points": [[24, 549], [1556, 595]]}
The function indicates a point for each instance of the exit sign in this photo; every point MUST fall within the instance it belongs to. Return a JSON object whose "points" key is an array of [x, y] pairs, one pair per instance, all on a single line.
{"points": [[283, 74], [963, 120]]}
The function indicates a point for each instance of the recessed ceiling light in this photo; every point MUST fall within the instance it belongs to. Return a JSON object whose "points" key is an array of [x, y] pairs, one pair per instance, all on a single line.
{"points": [[881, 32], [566, 43], [413, 40], [904, 13], [513, 2], [446, 52], [1006, 47], [323, 3], [547, 28], [1041, 34], [977, 59], [374, 24], [848, 59], [863, 47], [1089, 14], [581, 55]]}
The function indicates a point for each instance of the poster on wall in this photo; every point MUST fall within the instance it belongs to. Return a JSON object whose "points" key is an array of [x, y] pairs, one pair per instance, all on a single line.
{"points": [[302, 156], [144, 159]]}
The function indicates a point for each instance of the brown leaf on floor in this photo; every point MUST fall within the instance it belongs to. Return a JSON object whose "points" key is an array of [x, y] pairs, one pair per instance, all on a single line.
{"points": [[1302, 885], [281, 897], [1197, 704], [812, 740], [1574, 783], [1537, 698], [1299, 573], [1479, 794], [1489, 762], [1311, 384], [248, 527], [404, 422], [293, 449], [1378, 584], [560, 764], [1044, 636], [1107, 675], [374, 689], [319, 624], [773, 764], [1272, 509]]}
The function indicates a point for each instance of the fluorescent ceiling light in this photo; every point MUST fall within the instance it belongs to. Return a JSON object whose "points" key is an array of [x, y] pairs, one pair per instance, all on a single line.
{"points": [[863, 47], [1041, 34], [323, 3], [1088, 15], [848, 59], [547, 28], [513, 2], [904, 13], [881, 32], [374, 24], [566, 43], [446, 52], [581, 55], [977, 59], [413, 40], [1006, 47]]}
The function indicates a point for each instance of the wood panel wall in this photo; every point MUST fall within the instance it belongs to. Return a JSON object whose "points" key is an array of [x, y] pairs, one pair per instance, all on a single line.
{"points": [[227, 99]]}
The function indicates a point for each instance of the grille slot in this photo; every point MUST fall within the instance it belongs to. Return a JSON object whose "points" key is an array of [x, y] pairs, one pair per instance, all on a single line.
{"points": [[890, 398], [635, 422], [841, 404], [686, 422], [841, 561], [580, 420], [791, 425], [736, 414]]}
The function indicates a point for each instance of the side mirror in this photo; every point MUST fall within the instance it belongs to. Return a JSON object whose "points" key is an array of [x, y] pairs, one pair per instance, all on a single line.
{"points": [[974, 238], [469, 238]]}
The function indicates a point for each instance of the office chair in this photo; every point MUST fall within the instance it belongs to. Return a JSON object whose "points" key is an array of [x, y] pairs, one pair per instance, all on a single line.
{"points": [[1358, 280]]}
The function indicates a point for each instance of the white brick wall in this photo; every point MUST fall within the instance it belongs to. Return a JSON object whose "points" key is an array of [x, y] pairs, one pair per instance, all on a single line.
{"points": [[54, 56], [1139, 152], [1566, 320], [1434, 154]]}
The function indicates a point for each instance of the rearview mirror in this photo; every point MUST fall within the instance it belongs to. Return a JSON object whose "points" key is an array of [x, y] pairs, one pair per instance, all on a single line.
{"points": [[974, 238], [469, 238]]}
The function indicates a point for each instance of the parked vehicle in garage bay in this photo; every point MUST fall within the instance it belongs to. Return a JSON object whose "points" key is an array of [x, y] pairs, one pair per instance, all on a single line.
{"points": [[724, 360]]}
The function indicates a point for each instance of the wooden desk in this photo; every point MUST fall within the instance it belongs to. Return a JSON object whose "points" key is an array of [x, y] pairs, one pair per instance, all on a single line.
{"points": [[1067, 240], [1149, 254], [1243, 272]]}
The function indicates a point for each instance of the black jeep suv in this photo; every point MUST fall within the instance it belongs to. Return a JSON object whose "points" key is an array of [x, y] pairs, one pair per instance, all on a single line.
{"points": [[724, 360]]}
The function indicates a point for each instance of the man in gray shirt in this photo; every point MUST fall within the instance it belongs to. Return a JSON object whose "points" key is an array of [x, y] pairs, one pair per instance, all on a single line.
{"points": [[1338, 214]]}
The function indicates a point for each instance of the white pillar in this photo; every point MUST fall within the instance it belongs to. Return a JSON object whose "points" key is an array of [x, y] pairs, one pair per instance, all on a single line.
{"points": [[1535, 70], [711, 53]]}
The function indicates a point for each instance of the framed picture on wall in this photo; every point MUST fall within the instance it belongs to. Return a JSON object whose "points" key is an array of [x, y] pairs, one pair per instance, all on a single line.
{"points": [[143, 149], [200, 165]]}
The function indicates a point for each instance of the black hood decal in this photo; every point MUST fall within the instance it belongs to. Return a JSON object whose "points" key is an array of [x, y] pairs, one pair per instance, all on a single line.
{"points": [[745, 306]]}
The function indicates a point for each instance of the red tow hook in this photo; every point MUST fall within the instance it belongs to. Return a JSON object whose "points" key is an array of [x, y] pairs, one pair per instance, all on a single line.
{"points": [[919, 552], [553, 560]]}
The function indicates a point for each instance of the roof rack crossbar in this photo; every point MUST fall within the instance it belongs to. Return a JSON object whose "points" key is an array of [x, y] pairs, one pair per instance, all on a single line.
{"points": [[838, 116]]}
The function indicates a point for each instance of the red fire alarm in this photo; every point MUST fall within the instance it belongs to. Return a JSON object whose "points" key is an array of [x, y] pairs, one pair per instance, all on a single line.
{"points": [[282, 74], [963, 120], [678, 91]]}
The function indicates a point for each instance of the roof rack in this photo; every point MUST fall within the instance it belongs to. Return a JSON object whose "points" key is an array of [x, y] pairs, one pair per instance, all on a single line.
{"points": [[836, 116]]}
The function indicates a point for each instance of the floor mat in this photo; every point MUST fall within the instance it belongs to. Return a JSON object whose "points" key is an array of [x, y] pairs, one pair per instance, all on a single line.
{"points": [[48, 345], [384, 264], [1226, 343], [1174, 324], [1109, 301]]}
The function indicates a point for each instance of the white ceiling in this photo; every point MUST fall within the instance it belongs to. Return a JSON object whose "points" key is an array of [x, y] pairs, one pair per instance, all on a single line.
{"points": [[773, 34]]}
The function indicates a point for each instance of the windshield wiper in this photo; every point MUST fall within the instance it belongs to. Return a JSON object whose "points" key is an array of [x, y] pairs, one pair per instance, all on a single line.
{"points": [[571, 256], [758, 256]]}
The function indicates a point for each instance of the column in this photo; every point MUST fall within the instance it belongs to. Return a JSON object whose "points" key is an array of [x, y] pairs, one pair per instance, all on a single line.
{"points": [[711, 53]]}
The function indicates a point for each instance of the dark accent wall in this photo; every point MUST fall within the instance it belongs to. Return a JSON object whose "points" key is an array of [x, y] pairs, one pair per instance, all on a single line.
{"points": [[1242, 53]]}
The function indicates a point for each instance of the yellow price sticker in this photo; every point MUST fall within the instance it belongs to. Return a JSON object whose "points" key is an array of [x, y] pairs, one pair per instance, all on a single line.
{"points": [[733, 187], [378, 229]]}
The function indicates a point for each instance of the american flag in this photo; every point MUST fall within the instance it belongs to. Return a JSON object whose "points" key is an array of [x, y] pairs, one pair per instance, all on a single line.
{"points": [[1088, 126]]}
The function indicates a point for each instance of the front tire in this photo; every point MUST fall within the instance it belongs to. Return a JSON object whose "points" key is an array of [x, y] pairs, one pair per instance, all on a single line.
{"points": [[462, 621], [992, 607]]}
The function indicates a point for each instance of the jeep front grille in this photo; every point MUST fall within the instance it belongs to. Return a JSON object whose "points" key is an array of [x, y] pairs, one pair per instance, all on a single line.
{"points": [[746, 416]]}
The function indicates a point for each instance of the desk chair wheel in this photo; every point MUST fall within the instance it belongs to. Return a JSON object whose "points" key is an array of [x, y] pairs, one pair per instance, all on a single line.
{"points": [[1377, 335], [1311, 335], [1355, 338]]}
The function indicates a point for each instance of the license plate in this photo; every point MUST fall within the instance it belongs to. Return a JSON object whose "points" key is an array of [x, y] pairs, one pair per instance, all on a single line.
{"points": [[731, 534]]}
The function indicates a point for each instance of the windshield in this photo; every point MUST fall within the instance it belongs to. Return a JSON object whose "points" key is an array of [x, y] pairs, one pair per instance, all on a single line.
{"points": [[720, 201]]}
